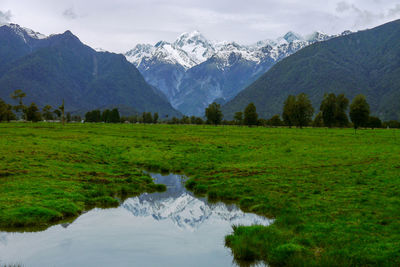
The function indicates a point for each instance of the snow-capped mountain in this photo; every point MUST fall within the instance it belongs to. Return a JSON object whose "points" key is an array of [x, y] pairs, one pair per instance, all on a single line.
{"points": [[193, 71], [196, 46], [189, 50]]}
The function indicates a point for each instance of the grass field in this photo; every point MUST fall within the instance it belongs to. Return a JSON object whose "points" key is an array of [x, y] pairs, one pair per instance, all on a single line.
{"points": [[335, 195]]}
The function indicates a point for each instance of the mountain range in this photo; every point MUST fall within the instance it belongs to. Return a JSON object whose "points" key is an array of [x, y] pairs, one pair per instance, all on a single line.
{"points": [[193, 71], [52, 68], [366, 62]]}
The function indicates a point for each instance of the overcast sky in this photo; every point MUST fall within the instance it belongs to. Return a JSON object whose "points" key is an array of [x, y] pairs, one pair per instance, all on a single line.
{"points": [[118, 25]]}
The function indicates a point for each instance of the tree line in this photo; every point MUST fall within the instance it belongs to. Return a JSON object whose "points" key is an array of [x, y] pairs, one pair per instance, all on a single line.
{"points": [[113, 116], [334, 111], [298, 112], [32, 112]]}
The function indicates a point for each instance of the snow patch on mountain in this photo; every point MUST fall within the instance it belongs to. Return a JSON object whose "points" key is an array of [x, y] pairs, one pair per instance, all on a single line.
{"points": [[192, 49], [24, 32], [188, 50], [101, 50], [196, 46]]}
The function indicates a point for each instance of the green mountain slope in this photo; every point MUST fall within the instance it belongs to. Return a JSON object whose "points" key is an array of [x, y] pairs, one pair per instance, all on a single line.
{"points": [[366, 62], [61, 67]]}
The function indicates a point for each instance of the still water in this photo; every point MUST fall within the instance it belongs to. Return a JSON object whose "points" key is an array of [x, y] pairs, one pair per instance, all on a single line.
{"points": [[173, 228]]}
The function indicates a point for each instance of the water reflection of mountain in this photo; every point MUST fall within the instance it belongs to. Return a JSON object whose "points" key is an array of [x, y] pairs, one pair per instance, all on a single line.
{"points": [[3, 239], [184, 210]]}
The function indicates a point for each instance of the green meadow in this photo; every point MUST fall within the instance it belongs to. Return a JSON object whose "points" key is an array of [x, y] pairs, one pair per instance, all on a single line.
{"points": [[334, 194]]}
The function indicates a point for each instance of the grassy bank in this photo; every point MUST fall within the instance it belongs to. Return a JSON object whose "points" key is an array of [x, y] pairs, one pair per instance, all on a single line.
{"points": [[335, 195], [50, 174]]}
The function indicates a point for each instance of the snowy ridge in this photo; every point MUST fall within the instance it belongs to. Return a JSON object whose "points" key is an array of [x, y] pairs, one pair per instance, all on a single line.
{"points": [[24, 32], [101, 50], [192, 49], [189, 50]]}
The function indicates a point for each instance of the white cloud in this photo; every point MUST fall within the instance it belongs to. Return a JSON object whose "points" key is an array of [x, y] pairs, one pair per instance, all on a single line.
{"points": [[69, 13], [5, 16], [395, 11], [120, 24]]}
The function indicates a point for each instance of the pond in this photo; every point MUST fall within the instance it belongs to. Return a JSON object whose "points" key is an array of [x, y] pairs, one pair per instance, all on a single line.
{"points": [[173, 228]]}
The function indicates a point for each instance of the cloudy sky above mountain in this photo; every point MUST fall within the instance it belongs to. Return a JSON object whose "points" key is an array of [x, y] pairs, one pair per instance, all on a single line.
{"points": [[118, 25]]}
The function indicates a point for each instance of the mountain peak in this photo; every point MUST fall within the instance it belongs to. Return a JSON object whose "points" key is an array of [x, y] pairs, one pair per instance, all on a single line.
{"points": [[192, 34], [68, 33], [292, 36], [158, 44], [191, 38], [318, 37]]}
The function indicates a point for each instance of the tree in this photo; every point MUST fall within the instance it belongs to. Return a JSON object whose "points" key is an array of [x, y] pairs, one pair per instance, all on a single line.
{"points": [[342, 104], [275, 121], [89, 116], [328, 110], [105, 116], [93, 116], [57, 112], [155, 118], [318, 120], [174, 120], [288, 110], [391, 124], [114, 116], [185, 120], [68, 117], [238, 118], [374, 122], [250, 115], [196, 120], [199, 121], [18, 95], [6, 113], [214, 114], [303, 111], [47, 114], [33, 113], [61, 108], [76, 118], [147, 117], [9, 114], [262, 122], [333, 110], [359, 111]]}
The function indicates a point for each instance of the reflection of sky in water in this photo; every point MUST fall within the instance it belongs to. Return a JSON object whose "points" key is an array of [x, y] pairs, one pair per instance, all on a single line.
{"points": [[164, 229]]}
